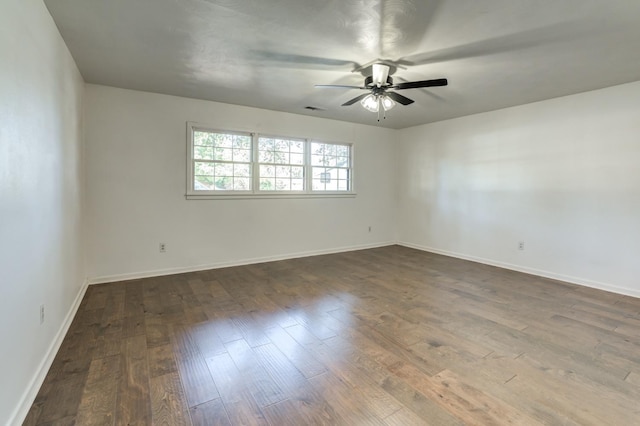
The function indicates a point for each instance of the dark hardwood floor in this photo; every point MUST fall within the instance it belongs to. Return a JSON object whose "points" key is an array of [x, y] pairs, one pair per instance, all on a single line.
{"points": [[383, 336]]}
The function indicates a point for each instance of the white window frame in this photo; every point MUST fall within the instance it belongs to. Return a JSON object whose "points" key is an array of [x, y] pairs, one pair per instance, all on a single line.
{"points": [[255, 191]]}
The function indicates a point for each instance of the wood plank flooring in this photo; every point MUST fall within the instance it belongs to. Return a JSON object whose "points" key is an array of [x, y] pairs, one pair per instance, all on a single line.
{"points": [[388, 336]]}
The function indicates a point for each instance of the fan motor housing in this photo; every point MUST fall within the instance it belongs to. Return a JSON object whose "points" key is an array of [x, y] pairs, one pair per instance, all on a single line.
{"points": [[368, 82]]}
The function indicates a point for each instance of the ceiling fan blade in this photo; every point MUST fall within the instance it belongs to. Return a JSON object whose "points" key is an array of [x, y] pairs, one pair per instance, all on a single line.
{"points": [[424, 83], [542, 36], [399, 98], [297, 61], [356, 99], [337, 86]]}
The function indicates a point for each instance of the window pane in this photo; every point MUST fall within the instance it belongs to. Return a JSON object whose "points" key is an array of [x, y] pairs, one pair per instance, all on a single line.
{"points": [[265, 144], [265, 156], [267, 171], [297, 184], [203, 168], [317, 160], [321, 173], [283, 185], [317, 148], [281, 157], [223, 154], [267, 184], [297, 159], [203, 183], [283, 171], [223, 141], [224, 169], [241, 184], [224, 183], [203, 152], [242, 155], [297, 172], [241, 170], [242, 142], [202, 138], [342, 162], [331, 185], [281, 145]]}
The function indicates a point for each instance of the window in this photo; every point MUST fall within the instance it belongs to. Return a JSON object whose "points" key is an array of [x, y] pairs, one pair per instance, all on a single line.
{"points": [[281, 164], [221, 161], [232, 164], [330, 167]]}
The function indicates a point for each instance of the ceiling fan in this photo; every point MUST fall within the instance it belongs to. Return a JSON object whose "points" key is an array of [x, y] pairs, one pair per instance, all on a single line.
{"points": [[379, 85]]}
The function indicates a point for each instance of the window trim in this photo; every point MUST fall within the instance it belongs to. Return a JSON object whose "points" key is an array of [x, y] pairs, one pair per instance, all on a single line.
{"points": [[255, 192]]}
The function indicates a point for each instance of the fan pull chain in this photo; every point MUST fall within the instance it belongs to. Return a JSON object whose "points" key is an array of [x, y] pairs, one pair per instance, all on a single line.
{"points": [[380, 107]]}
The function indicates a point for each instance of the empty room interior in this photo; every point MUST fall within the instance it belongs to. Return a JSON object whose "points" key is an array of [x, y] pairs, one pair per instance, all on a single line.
{"points": [[291, 212]]}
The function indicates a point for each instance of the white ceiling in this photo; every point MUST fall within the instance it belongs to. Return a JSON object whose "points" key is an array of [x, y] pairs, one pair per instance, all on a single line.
{"points": [[270, 53]]}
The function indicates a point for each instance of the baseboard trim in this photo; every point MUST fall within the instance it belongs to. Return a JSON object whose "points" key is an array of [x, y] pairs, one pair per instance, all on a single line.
{"points": [[538, 272], [241, 262], [19, 415]]}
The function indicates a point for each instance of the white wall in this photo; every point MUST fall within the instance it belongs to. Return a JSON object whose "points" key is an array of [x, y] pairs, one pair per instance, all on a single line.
{"points": [[561, 175], [136, 168], [40, 198]]}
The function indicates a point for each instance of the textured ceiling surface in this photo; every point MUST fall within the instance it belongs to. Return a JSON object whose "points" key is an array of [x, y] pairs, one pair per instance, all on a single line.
{"points": [[270, 53]]}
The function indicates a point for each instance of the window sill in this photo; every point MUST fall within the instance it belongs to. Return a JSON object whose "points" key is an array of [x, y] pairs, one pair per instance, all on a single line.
{"points": [[268, 195]]}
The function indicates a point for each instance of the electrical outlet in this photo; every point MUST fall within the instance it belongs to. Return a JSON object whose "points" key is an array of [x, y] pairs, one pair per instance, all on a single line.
{"points": [[521, 245], [41, 314], [163, 247]]}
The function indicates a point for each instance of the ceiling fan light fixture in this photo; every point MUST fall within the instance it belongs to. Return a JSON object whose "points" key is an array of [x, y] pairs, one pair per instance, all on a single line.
{"points": [[387, 102], [374, 102], [370, 103]]}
